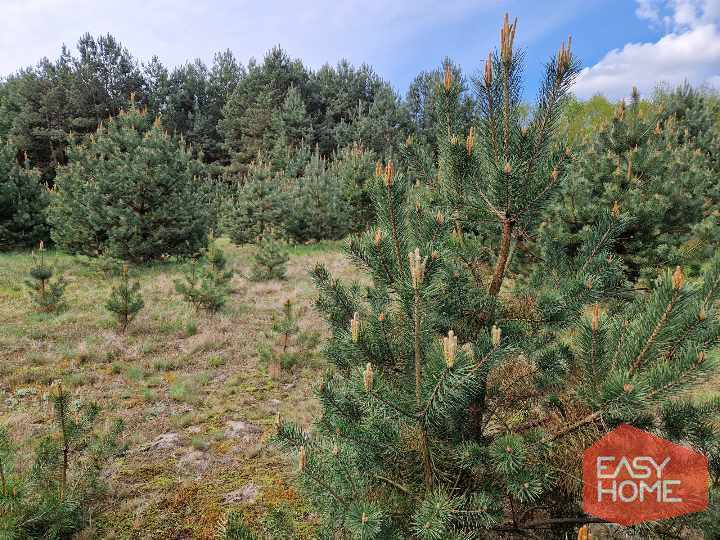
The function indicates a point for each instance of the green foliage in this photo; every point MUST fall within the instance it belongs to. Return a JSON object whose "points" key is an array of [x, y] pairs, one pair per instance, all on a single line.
{"points": [[217, 263], [46, 293], [646, 166], [307, 199], [52, 499], [291, 125], [277, 525], [255, 206], [317, 206], [459, 400], [190, 99], [23, 199], [582, 119], [233, 527], [46, 103], [129, 192], [270, 260], [125, 301], [204, 288], [353, 167], [288, 345], [420, 101], [379, 126]]}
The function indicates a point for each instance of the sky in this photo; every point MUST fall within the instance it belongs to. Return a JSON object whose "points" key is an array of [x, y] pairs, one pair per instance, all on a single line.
{"points": [[621, 43]]}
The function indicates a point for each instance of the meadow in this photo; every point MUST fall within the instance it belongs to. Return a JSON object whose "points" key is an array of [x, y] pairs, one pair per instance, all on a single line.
{"points": [[196, 400]]}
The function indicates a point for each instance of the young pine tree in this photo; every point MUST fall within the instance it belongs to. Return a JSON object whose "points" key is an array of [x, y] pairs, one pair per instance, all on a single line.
{"points": [[643, 162], [317, 205], [52, 498], [23, 199], [125, 300], [202, 289], [207, 283], [217, 262], [287, 343], [129, 191], [270, 260], [460, 401], [46, 293], [255, 206]]}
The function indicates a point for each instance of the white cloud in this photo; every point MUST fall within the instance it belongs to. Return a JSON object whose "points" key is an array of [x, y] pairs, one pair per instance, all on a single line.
{"points": [[689, 51]]}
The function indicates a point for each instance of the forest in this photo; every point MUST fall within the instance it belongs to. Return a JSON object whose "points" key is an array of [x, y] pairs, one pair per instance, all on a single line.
{"points": [[260, 300]]}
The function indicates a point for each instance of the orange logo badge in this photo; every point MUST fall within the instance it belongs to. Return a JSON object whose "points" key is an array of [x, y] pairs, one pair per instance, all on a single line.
{"points": [[631, 476]]}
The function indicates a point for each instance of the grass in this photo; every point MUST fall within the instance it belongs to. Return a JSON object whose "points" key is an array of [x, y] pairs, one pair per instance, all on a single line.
{"points": [[173, 371]]}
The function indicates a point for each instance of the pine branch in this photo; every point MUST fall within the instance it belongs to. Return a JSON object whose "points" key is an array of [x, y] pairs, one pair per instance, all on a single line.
{"points": [[393, 483], [502, 258], [549, 523], [589, 419], [637, 363]]}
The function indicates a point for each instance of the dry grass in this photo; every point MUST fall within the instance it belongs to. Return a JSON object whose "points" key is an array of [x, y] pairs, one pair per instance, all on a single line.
{"points": [[174, 372]]}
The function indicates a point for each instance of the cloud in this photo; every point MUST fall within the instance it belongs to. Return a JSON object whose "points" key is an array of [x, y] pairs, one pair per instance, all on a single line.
{"points": [[689, 51]]}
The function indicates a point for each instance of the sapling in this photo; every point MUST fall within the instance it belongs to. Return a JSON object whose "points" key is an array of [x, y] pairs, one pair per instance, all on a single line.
{"points": [[46, 293], [125, 300]]}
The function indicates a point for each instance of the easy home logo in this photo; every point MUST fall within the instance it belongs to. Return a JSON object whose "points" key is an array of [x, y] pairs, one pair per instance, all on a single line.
{"points": [[631, 476]]}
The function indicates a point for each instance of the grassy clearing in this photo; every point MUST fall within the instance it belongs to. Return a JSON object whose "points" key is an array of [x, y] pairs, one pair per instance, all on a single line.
{"points": [[183, 382]]}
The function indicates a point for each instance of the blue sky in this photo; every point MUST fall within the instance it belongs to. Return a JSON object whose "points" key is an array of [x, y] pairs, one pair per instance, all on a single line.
{"points": [[621, 42]]}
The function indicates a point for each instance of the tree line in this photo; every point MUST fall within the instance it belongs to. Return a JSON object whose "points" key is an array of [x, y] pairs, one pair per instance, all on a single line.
{"points": [[274, 148]]}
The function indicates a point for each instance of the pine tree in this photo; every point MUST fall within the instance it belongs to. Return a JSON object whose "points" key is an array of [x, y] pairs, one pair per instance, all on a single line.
{"points": [[202, 288], [317, 204], [460, 401], [643, 164], [129, 192], [280, 355], [52, 498], [217, 262], [354, 167], [125, 300], [46, 293], [378, 126], [23, 199], [270, 260], [255, 206], [290, 123]]}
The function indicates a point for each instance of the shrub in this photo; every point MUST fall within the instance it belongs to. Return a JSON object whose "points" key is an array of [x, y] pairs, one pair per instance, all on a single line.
{"points": [[52, 499], [218, 263], [129, 192], [125, 300], [354, 168], [270, 260], [287, 345], [23, 199], [643, 163], [46, 293]]}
